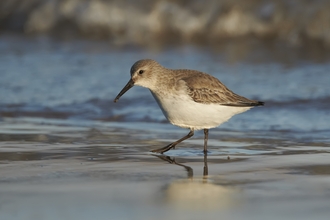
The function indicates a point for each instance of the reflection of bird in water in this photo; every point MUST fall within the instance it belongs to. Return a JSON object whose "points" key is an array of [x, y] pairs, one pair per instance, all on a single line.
{"points": [[188, 169], [172, 161], [197, 193]]}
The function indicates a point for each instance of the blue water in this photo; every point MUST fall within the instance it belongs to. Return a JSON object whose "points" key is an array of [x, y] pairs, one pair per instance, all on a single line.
{"points": [[78, 80]]}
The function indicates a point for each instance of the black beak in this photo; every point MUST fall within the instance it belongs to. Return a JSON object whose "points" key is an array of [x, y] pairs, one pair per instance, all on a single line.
{"points": [[129, 85]]}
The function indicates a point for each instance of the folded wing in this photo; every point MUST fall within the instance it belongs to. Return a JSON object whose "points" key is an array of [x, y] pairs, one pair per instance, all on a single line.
{"points": [[204, 88]]}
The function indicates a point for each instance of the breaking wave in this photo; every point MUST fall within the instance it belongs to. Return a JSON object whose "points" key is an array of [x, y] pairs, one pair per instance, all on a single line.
{"points": [[144, 22]]}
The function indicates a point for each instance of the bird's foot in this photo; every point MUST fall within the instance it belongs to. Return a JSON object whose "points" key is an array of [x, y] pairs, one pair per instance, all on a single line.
{"points": [[163, 149]]}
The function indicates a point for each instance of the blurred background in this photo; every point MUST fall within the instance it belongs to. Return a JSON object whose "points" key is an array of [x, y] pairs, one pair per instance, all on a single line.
{"points": [[297, 23], [68, 152], [293, 24]]}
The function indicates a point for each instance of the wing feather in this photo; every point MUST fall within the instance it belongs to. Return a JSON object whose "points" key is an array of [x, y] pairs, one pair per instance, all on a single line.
{"points": [[204, 88]]}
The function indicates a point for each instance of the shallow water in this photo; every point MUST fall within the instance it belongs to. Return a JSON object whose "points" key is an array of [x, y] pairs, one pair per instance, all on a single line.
{"points": [[78, 172], [68, 152]]}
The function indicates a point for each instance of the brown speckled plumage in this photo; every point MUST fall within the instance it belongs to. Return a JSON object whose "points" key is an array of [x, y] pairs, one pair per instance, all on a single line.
{"points": [[201, 87], [204, 88]]}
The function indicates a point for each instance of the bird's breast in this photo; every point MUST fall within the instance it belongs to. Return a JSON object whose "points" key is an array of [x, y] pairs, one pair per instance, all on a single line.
{"points": [[182, 111]]}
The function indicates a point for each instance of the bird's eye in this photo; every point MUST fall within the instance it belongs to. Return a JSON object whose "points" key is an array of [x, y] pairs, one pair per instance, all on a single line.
{"points": [[141, 71]]}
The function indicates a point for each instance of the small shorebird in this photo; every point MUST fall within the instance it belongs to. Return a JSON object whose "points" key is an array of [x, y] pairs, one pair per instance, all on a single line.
{"points": [[188, 98]]}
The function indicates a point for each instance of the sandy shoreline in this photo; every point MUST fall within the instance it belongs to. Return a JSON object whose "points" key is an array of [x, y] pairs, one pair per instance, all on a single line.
{"points": [[78, 172]]}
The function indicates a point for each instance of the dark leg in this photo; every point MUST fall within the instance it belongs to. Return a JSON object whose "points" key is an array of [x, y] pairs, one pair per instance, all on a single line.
{"points": [[172, 145], [206, 136]]}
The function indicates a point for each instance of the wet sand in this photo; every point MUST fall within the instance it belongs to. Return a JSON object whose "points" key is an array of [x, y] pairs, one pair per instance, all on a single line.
{"points": [[58, 170]]}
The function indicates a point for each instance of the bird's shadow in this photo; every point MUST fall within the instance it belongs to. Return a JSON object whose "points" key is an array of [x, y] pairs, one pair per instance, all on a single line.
{"points": [[189, 170]]}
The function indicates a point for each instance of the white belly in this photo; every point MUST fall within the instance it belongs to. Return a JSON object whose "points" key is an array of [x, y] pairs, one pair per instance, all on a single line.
{"points": [[182, 111]]}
